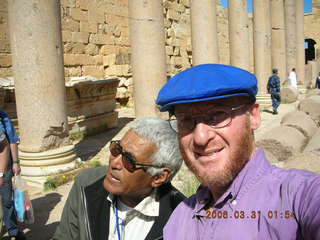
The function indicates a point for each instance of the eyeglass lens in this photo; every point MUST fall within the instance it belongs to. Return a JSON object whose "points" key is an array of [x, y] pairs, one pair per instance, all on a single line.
{"points": [[127, 158]]}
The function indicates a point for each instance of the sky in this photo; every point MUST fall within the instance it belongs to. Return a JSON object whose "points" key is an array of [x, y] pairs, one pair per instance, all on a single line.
{"points": [[307, 5]]}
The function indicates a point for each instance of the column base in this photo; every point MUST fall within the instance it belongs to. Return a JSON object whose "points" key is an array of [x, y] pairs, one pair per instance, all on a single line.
{"points": [[264, 100], [37, 167]]}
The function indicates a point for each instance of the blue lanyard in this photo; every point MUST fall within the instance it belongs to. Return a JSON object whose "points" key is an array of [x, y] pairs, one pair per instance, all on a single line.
{"points": [[118, 224]]}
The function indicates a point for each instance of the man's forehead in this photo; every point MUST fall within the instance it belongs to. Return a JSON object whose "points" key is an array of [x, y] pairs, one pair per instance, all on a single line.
{"points": [[219, 103]]}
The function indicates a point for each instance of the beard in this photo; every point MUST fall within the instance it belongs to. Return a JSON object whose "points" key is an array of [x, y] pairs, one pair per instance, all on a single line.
{"points": [[239, 156]]}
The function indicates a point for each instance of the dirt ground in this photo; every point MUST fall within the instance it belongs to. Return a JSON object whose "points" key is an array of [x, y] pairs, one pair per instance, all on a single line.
{"points": [[48, 205]]}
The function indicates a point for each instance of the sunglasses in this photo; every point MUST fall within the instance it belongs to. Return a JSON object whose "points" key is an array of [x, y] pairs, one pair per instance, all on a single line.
{"points": [[128, 159]]}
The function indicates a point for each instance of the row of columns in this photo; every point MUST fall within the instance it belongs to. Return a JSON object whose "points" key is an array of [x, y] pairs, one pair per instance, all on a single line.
{"points": [[39, 71], [278, 40]]}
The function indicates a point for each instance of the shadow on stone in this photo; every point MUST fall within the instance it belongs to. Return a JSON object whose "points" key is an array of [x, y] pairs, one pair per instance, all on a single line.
{"points": [[42, 207], [268, 111], [91, 145]]}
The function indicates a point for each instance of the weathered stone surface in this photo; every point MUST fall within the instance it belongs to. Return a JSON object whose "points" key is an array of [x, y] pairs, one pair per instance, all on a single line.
{"points": [[300, 121], [289, 94], [91, 49], [77, 59], [66, 36], [311, 106], [283, 142], [78, 14], [312, 92], [96, 71], [71, 25], [80, 37], [5, 60], [314, 143], [122, 92], [88, 27], [305, 161]]}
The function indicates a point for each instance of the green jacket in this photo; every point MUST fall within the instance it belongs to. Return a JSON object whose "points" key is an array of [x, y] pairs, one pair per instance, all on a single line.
{"points": [[86, 213]]}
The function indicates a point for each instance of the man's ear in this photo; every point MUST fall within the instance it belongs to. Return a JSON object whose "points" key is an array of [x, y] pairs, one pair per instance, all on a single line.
{"points": [[255, 118], [161, 178]]}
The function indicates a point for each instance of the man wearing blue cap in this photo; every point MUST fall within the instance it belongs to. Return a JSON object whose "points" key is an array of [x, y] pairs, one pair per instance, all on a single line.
{"points": [[241, 196]]}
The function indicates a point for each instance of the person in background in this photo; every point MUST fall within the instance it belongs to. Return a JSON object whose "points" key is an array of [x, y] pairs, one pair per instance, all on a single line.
{"points": [[318, 81], [12, 168], [242, 196], [131, 199], [293, 78], [273, 88]]}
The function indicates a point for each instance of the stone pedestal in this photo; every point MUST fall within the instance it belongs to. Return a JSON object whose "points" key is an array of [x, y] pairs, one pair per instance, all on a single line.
{"points": [[204, 32], [91, 106], [148, 54], [278, 39], [239, 33], [37, 54], [291, 36], [300, 55], [262, 46]]}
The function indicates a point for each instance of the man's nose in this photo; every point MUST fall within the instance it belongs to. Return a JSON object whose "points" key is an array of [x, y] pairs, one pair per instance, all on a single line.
{"points": [[203, 133], [115, 162]]}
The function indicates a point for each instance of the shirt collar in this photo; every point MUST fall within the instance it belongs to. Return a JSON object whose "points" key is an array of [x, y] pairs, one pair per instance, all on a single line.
{"points": [[149, 206], [248, 176]]}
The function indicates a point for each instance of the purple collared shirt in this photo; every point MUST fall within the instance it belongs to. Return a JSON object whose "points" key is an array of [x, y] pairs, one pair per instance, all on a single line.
{"points": [[264, 203]]}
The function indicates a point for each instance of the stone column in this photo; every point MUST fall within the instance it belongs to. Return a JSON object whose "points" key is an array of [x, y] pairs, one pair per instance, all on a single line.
{"points": [[291, 37], [278, 39], [300, 62], [238, 33], [37, 54], [148, 54], [204, 32], [262, 43]]}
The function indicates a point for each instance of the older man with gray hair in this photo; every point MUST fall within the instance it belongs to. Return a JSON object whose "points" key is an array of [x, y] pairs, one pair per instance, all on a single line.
{"points": [[131, 199]]}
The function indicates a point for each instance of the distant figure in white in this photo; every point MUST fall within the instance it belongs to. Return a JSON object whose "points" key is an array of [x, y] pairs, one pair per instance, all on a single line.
{"points": [[293, 78]]}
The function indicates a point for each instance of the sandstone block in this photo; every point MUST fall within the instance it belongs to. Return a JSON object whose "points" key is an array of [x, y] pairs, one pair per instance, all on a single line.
{"points": [[173, 15], [91, 49], [96, 71], [66, 36], [109, 49], [314, 143], [176, 51], [77, 59], [5, 60], [311, 106], [95, 14], [186, 3], [283, 142], [300, 121], [88, 27], [289, 94], [69, 24], [74, 48], [83, 4], [78, 14], [167, 23], [128, 82], [68, 3], [305, 161], [169, 50], [97, 60], [118, 70], [122, 93], [101, 39], [80, 37], [123, 58], [109, 60], [72, 71]]}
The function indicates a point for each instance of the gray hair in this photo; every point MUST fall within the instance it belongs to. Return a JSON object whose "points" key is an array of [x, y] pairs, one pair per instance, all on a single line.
{"points": [[166, 141]]}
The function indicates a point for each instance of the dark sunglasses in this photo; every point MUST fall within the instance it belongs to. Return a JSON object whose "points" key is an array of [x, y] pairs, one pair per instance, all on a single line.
{"points": [[128, 159]]}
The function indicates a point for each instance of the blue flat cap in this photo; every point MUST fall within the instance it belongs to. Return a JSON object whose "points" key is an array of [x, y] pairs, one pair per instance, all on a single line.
{"points": [[207, 82]]}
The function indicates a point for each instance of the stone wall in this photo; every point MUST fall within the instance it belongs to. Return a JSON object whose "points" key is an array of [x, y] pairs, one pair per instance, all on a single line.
{"points": [[95, 35], [96, 39]]}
